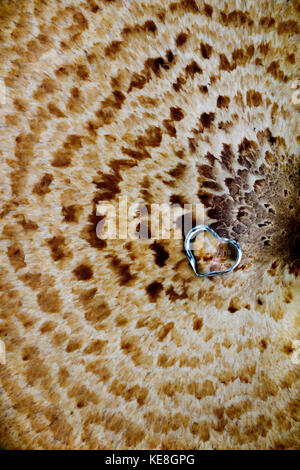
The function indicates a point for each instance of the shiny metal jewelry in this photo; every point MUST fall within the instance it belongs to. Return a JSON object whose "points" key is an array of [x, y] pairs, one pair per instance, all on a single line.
{"points": [[205, 228]]}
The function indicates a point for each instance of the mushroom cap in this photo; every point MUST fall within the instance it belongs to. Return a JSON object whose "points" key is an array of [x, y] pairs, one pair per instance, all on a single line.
{"points": [[115, 343]]}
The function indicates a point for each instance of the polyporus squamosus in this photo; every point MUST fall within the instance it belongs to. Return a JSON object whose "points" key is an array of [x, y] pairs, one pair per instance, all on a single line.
{"points": [[117, 344]]}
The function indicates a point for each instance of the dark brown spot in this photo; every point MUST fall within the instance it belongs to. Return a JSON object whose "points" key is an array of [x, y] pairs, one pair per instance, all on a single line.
{"points": [[239, 57], [161, 255], [122, 270], [201, 430], [203, 89], [47, 326], [62, 158], [49, 301], [177, 199], [223, 101], [151, 138], [212, 185], [73, 345], [20, 105], [224, 125], [224, 63], [154, 64], [109, 105], [237, 18], [136, 154], [171, 129], [288, 27], [247, 153], [250, 51], [164, 330], [263, 344], [189, 5], [42, 187], [73, 142], [53, 109], [206, 50], [227, 157], [28, 224], [179, 83], [108, 183], [206, 171], [267, 22], [94, 8], [211, 158], [80, 19], [176, 113], [97, 312], [153, 290], [193, 68], [137, 81], [264, 48], [178, 170], [291, 58], [197, 324], [62, 72], [112, 49], [95, 347], [121, 320], [201, 390], [150, 26], [89, 233], [234, 188], [181, 39], [287, 348], [208, 10], [47, 86], [82, 72], [207, 119], [83, 272], [29, 353], [57, 245], [70, 213], [254, 98], [16, 256], [170, 56], [294, 268], [232, 308], [174, 296]]}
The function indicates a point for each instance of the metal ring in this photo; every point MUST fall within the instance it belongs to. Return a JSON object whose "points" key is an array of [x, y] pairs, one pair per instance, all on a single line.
{"points": [[205, 228]]}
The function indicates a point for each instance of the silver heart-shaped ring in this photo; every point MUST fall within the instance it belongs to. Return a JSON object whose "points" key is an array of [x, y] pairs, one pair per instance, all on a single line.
{"points": [[205, 228]]}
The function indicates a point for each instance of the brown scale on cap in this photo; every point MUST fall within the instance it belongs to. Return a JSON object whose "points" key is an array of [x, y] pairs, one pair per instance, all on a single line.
{"points": [[174, 102]]}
